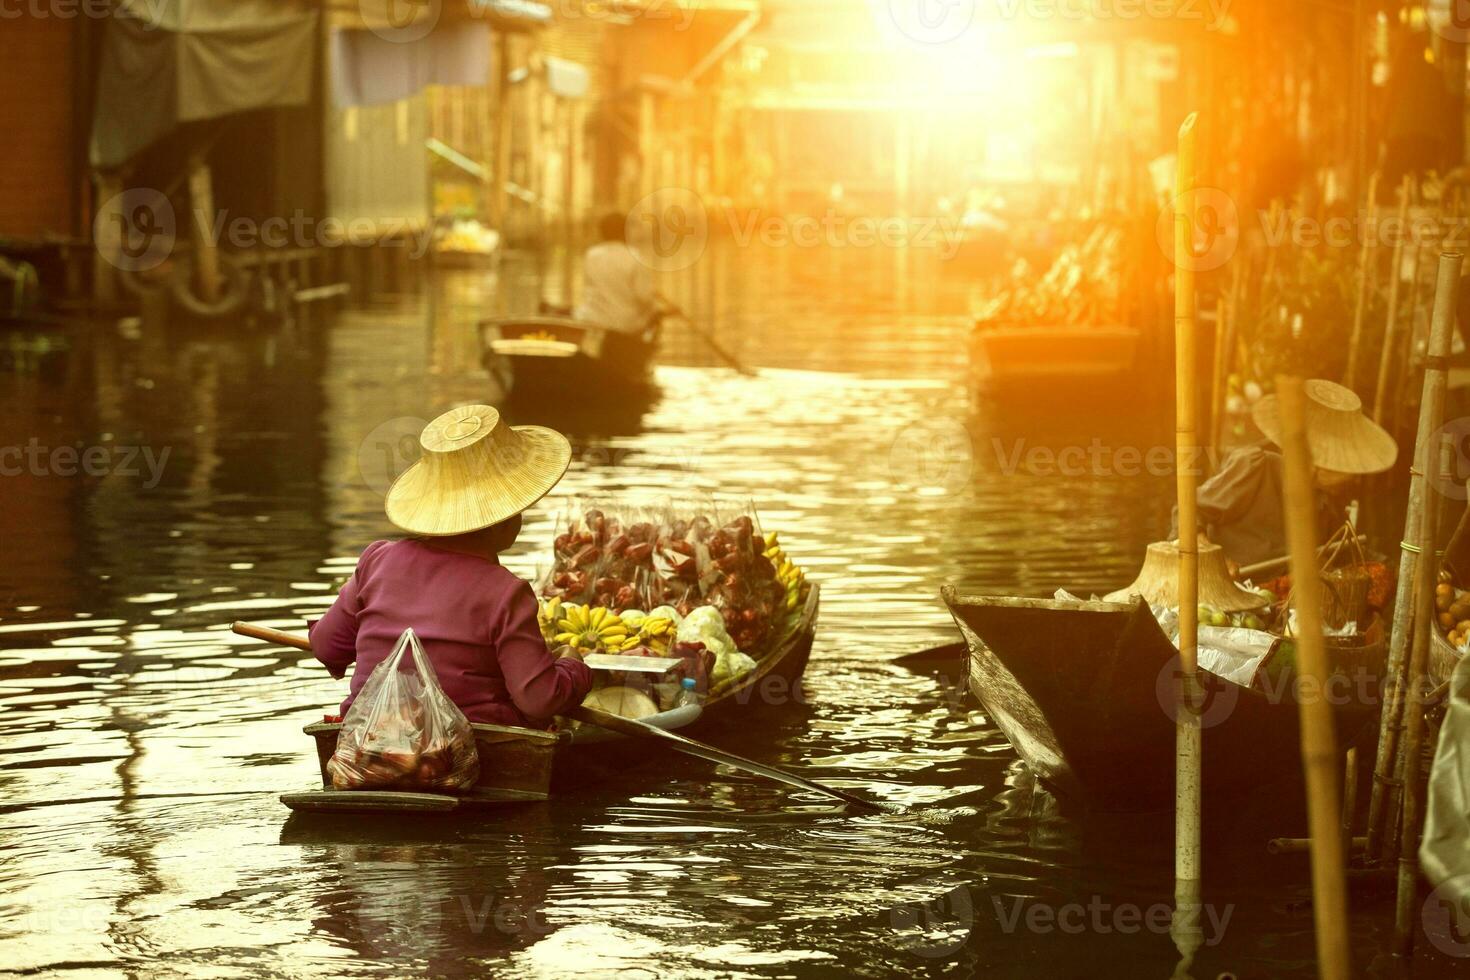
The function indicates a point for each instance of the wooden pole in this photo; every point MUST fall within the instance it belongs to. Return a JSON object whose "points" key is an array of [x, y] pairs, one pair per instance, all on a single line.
{"points": [[1414, 690], [1319, 739], [206, 246], [1385, 356], [500, 174], [1367, 265], [1219, 385], [1431, 408], [1432, 457], [1187, 777]]}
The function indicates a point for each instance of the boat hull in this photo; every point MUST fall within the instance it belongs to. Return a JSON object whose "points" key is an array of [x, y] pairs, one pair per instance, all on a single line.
{"points": [[564, 359], [1085, 693], [1019, 358], [524, 765]]}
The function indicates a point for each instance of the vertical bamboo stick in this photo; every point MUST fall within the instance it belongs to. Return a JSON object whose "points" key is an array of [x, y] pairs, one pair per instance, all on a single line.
{"points": [[1366, 266], [1319, 739], [1385, 355], [1219, 382], [1414, 691], [1431, 408], [1187, 728]]}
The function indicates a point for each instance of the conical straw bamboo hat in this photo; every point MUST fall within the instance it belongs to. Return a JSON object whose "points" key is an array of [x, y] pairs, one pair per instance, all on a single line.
{"points": [[475, 471], [1342, 438], [1158, 581]]}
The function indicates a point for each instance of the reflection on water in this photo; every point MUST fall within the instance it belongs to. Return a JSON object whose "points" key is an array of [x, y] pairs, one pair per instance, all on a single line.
{"points": [[144, 744]]}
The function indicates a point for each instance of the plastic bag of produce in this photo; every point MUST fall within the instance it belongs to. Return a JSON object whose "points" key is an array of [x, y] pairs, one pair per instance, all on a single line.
{"points": [[403, 732]]}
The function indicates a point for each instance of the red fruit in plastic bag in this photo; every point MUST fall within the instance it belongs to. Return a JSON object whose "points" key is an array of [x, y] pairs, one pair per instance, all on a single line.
{"points": [[639, 552], [402, 732]]}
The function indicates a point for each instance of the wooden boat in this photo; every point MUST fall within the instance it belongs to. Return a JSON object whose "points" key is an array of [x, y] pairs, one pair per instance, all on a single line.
{"points": [[1085, 692], [518, 765], [1018, 358], [556, 355]]}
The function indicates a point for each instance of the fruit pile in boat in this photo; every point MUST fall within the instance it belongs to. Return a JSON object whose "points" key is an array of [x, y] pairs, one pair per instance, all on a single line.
{"points": [[644, 581]]}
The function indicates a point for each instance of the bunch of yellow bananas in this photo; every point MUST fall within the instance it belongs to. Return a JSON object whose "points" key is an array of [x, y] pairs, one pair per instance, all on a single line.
{"points": [[657, 634], [548, 611], [599, 628], [787, 573]]}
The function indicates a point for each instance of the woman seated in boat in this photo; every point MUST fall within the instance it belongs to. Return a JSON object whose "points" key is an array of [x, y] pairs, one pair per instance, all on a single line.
{"points": [[1241, 507], [462, 502]]}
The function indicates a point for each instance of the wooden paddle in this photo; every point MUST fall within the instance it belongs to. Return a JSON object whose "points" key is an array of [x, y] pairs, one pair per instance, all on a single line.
{"points": [[634, 729], [674, 313]]}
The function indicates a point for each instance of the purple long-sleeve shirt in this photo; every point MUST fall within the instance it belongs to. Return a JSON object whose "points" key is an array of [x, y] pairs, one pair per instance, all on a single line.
{"points": [[477, 624]]}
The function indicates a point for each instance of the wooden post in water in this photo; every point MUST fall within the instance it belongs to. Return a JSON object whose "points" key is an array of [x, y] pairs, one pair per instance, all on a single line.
{"points": [[1319, 739], [1187, 726], [1431, 409], [1367, 265], [1413, 698], [1430, 459], [1385, 355]]}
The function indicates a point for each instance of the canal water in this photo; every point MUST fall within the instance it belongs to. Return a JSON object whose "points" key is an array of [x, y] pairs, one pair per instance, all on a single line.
{"points": [[178, 478]]}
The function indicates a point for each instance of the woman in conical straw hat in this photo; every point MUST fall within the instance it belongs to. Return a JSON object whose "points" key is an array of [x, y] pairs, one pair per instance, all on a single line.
{"points": [[461, 503], [1241, 506]]}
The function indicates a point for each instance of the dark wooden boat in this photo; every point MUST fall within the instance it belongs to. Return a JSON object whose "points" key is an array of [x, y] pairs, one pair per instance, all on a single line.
{"points": [[1020, 358], [1085, 692], [517, 765], [566, 358]]}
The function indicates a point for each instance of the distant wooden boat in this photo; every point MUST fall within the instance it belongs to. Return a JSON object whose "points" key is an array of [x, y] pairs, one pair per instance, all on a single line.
{"points": [[1019, 357], [1085, 691], [521, 765], [558, 357]]}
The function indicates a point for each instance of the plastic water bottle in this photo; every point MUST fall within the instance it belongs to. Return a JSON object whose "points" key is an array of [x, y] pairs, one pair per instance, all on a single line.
{"points": [[687, 694]]}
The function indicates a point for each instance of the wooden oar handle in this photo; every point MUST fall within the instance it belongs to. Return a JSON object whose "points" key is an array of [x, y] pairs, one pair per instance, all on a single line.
{"points": [[280, 637]]}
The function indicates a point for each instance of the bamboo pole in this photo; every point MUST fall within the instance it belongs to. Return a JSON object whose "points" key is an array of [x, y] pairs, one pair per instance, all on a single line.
{"points": [[1187, 727], [1366, 267], [1431, 408], [1319, 739], [1413, 751], [1385, 355], [1219, 384]]}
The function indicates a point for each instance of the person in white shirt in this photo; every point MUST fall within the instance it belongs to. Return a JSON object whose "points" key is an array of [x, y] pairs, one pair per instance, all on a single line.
{"points": [[617, 287]]}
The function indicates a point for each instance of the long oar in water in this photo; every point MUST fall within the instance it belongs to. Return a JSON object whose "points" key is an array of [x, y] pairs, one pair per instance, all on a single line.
{"points": [[720, 350], [627, 726]]}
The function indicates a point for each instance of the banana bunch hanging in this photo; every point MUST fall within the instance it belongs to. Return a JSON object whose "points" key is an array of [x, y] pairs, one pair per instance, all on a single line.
{"points": [[788, 573]]}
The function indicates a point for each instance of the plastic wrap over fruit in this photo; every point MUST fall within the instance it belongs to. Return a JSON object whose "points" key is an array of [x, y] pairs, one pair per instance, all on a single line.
{"points": [[706, 625], [729, 666], [402, 732]]}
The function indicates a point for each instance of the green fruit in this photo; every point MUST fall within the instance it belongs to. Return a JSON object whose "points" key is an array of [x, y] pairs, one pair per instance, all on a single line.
{"points": [[1219, 619]]}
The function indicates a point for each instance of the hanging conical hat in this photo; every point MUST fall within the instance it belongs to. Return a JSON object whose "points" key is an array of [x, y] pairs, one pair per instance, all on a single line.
{"points": [[1158, 581], [475, 471], [1342, 438]]}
